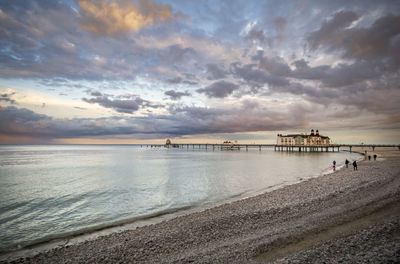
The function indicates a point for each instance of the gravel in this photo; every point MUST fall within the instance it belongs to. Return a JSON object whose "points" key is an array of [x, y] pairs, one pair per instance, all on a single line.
{"points": [[345, 217]]}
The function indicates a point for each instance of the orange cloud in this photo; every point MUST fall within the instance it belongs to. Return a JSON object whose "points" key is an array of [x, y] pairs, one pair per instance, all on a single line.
{"points": [[109, 18]]}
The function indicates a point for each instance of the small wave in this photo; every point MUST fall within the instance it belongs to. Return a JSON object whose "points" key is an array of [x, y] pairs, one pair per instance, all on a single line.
{"points": [[93, 229]]}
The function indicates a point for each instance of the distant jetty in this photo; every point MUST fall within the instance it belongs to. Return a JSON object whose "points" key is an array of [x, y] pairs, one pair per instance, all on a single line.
{"points": [[313, 142], [276, 147]]}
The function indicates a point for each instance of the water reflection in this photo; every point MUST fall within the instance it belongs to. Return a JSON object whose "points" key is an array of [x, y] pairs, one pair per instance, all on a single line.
{"points": [[52, 190]]}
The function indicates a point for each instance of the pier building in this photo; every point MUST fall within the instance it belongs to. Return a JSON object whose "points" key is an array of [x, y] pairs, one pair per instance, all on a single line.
{"points": [[312, 139]]}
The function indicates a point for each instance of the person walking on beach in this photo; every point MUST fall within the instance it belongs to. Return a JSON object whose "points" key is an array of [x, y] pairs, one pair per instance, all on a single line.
{"points": [[355, 165], [334, 165], [375, 156], [369, 157], [347, 163]]}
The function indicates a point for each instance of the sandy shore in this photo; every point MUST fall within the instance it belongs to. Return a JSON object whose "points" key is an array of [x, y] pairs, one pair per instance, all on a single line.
{"points": [[345, 217]]}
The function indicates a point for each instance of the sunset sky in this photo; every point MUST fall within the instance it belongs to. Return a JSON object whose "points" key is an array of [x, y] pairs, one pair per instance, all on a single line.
{"points": [[133, 71]]}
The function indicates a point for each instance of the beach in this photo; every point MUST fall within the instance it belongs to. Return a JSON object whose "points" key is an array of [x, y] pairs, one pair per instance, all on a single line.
{"points": [[344, 217]]}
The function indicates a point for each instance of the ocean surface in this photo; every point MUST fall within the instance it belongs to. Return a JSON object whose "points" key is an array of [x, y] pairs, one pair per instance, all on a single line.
{"points": [[49, 192]]}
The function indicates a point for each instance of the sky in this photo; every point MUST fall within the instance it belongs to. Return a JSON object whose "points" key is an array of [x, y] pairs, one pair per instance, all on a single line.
{"points": [[138, 71]]}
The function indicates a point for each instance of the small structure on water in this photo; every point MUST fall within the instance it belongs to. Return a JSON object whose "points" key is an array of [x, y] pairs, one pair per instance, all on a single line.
{"points": [[228, 145], [169, 144], [313, 139]]}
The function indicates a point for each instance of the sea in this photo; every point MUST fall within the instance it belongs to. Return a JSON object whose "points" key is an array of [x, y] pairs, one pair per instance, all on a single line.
{"points": [[50, 192]]}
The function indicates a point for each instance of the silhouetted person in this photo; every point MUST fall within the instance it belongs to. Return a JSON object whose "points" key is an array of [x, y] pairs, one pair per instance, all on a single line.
{"points": [[355, 165], [334, 165], [375, 156], [369, 157], [347, 163]]}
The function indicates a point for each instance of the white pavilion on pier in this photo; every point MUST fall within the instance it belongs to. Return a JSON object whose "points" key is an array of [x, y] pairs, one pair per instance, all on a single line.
{"points": [[312, 139]]}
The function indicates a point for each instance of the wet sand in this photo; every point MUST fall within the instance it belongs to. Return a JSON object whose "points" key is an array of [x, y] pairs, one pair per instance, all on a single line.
{"points": [[344, 217]]}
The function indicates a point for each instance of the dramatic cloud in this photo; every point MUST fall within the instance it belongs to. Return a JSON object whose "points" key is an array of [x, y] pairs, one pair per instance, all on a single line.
{"points": [[219, 89], [173, 95], [249, 116], [179, 80], [215, 72], [270, 33], [257, 35], [266, 65], [304, 71], [380, 41], [43, 39], [252, 74], [23, 122], [275, 66], [7, 97], [329, 32], [96, 93], [108, 18], [123, 104]]}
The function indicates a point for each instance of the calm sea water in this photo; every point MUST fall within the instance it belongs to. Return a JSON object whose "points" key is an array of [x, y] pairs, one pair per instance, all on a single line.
{"points": [[48, 192]]}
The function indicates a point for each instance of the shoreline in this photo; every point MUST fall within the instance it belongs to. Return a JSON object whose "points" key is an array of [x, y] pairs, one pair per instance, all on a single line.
{"points": [[212, 225]]}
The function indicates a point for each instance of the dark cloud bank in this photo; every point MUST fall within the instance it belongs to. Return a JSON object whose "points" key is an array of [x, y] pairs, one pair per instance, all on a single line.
{"points": [[248, 116]]}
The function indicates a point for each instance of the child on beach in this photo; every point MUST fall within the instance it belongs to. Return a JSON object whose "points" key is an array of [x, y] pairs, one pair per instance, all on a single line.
{"points": [[355, 165], [347, 163], [334, 165]]}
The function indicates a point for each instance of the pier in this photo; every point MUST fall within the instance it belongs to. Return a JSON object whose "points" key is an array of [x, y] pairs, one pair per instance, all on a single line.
{"points": [[275, 147]]}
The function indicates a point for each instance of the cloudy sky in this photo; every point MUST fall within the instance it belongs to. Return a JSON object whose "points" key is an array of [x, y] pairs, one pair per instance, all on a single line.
{"points": [[131, 71]]}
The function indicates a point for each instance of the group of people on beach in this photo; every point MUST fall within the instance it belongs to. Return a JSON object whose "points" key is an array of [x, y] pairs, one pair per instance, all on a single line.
{"points": [[354, 164], [347, 162]]}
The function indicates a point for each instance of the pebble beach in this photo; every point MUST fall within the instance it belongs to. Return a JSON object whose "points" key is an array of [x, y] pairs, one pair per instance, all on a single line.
{"points": [[344, 217]]}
